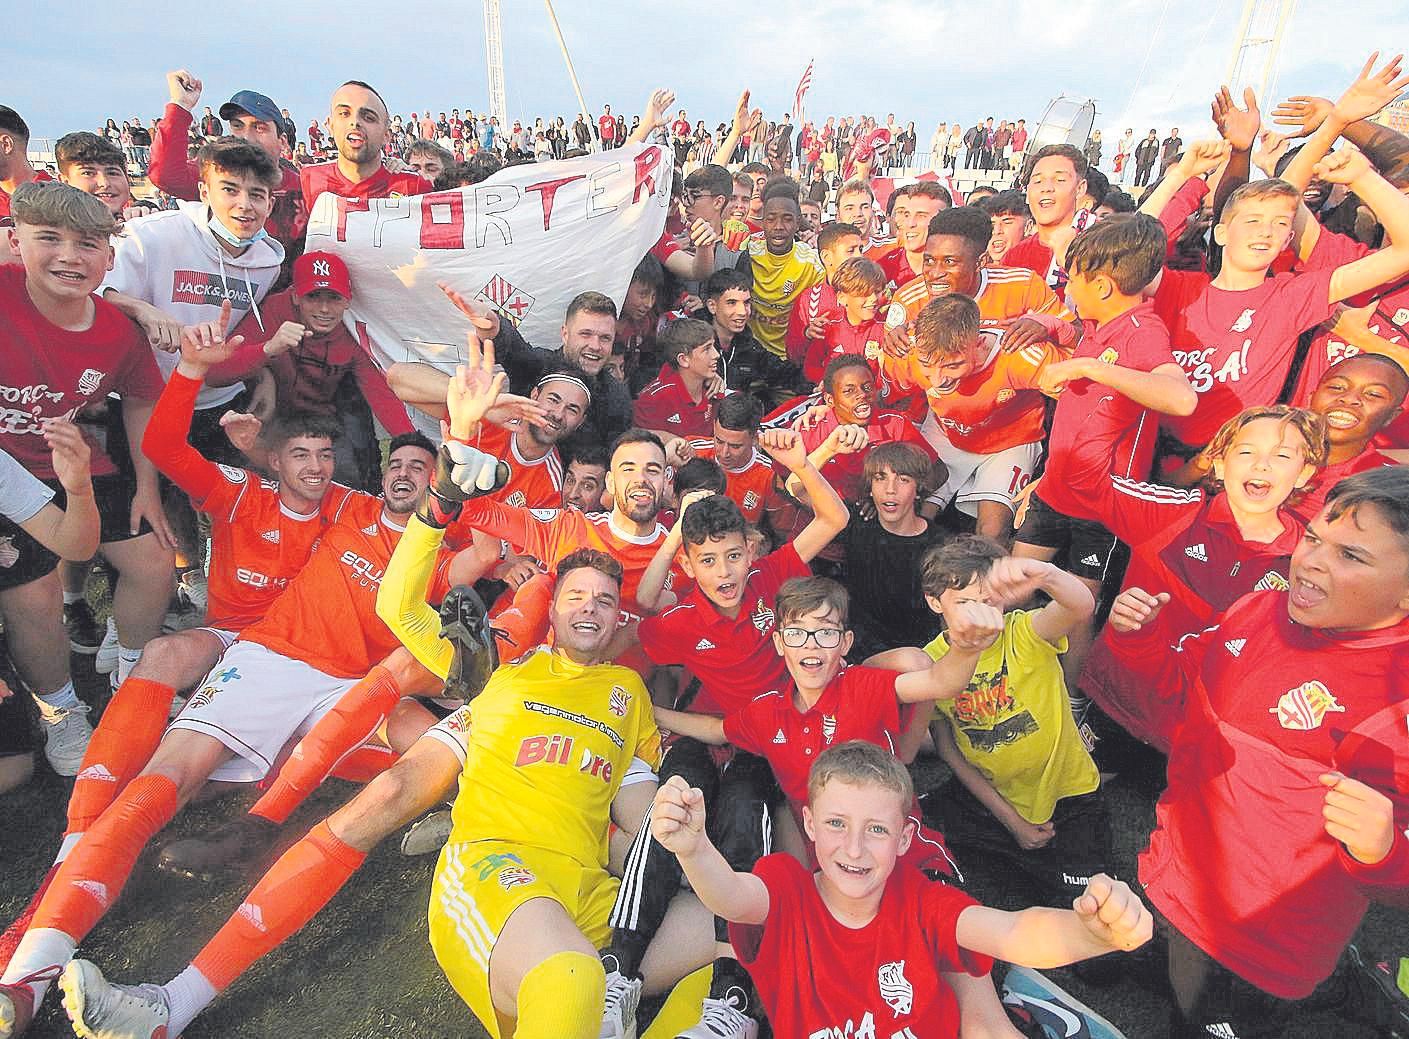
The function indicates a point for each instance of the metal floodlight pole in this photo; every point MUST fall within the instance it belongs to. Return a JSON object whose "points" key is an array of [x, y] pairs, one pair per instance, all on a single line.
{"points": [[494, 59], [567, 60]]}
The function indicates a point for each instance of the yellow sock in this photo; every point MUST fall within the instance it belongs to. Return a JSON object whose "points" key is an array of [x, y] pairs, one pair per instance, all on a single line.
{"points": [[562, 998]]}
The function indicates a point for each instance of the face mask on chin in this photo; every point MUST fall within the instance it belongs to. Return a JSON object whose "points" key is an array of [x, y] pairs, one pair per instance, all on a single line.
{"points": [[229, 237]]}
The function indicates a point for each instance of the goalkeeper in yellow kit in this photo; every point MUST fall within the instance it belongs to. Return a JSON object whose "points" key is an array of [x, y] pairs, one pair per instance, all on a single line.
{"points": [[552, 748]]}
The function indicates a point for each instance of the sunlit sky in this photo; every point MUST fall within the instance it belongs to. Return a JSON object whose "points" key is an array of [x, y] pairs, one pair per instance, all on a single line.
{"points": [[1146, 64]]}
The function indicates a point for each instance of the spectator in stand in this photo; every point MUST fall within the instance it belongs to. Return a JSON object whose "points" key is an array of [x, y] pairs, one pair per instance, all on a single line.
{"points": [[1169, 150], [1019, 145], [211, 125], [1124, 156], [1092, 150], [606, 128], [1145, 154]]}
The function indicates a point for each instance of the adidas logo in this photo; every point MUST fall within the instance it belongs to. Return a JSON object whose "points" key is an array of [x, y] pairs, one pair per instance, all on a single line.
{"points": [[1221, 1031], [1091, 560], [372, 530], [271, 536], [98, 774], [96, 888], [251, 912], [1235, 646], [780, 738], [704, 644], [674, 418], [1197, 552]]}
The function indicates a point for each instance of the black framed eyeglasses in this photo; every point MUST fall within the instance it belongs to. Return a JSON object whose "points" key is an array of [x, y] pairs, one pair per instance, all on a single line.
{"points": [[826, 638]]}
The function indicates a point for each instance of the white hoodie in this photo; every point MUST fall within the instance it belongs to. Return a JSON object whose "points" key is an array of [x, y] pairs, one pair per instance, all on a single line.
{"points": [[173, 261]]}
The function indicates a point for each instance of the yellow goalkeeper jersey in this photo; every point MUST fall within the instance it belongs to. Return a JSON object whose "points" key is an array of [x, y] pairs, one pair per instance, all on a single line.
{"points": [[777, 283], [548, 746]]}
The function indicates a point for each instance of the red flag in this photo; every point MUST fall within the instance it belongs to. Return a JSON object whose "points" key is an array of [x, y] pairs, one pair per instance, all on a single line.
{"points": [[802, 85]]}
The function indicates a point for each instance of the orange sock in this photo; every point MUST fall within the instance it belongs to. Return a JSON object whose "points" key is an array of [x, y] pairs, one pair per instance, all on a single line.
{"points": [[296, 887], [351, 721], [92, 876], [524, 624], [122, 744], [365, 763]]}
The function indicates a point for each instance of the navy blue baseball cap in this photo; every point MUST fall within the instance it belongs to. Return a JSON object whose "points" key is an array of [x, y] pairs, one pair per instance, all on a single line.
{"points": [[257, 105]]}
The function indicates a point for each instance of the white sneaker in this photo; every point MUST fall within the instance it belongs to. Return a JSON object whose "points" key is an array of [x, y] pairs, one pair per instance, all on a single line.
{"points": [[722, 1019], [427, 835], [619, 1012], [67, 733], [192, 588], [105, 663], [98, 1009]]}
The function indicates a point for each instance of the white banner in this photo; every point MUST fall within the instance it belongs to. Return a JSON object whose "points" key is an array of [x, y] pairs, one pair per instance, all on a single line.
{"points": [[525, 242]]}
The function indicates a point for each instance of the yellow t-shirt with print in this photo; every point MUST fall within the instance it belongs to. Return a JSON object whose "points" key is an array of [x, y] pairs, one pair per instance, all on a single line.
{"points": [[777, 283], [1014, 722], [549, 743]]}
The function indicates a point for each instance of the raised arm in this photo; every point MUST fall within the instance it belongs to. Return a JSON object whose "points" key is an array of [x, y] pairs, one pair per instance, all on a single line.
{"points": [[744, 119], [707, 728], [678, 823], [977, 627], [843, 440], [1013, 580], [1352, 169], [829, 512], [1165, 388]]}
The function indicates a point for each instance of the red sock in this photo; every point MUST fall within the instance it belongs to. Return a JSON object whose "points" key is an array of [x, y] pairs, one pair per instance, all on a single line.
{"points": [[365, 763], [348, 725], [524, 625], [92, 876], [124, 741], [296, 887]]}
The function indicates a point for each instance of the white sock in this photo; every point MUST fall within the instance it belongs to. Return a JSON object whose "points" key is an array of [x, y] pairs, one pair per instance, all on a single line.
{"points": [[69, 842], [64, 697], [187, 995], [71, 597], [40, 948], [126, 661]]}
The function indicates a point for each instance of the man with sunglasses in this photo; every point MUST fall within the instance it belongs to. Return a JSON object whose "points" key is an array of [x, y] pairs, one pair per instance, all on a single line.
{"points": [[707, 197]]}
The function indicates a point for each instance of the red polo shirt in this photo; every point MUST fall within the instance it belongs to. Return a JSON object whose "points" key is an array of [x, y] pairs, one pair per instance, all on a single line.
{"points": [[666, 404]]}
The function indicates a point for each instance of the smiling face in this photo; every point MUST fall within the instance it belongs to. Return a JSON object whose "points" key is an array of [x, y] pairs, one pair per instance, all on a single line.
{"points": [[240, 201], [358, 122], [894, 496], [740, 200], [911, 219], [859, 309], [321, 310], [1350, 573], [640, 298], [1053, 190], [950, 264], [105, 181], [64, 266], [944, 371], [811, 665], [1254, 231], [733, 448], [853, 395], [839, 251], [732, 309], [857, 209], [304, 466], [637, 480], [859, 830], [1358, 397], [1263, 465], [719, 566], [701, 362], [565, 405], [408, 474], [586, 608], [583, 484], [1008, 230], [587, 340]]}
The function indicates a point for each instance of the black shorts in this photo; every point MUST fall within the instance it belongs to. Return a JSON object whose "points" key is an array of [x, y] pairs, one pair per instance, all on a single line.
{"points": [[17, 735], [31, 560], [1084, 547]]}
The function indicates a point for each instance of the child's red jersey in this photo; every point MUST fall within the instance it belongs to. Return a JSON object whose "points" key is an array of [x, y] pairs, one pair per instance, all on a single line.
{"points": [[1240, 861], [734, 659], [1189, 545], [1097, 432], [818, 977]]}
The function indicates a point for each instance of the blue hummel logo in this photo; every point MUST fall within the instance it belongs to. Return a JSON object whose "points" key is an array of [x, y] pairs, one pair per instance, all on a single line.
{"points": [[230, 674]]}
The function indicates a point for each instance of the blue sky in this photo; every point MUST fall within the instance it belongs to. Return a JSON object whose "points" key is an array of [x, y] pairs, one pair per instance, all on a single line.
{"points": [[926, 60]]}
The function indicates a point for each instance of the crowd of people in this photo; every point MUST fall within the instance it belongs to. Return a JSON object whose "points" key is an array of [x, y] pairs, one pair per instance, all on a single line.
{"points": [[1054, 484]]}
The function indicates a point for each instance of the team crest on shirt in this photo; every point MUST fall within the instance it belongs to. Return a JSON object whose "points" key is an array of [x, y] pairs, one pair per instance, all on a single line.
{"points": [[9, 554], [896, 989], [763, 618], [1003, 396], [202, 697], [517, 499], [1271, 581], [1305, 707], [233, 473], [829, 728], [1244, 321], [1109, 355], [89, 381], [515, 876], [750, 500], [1401, 316], [788, 287], [618, 700]]}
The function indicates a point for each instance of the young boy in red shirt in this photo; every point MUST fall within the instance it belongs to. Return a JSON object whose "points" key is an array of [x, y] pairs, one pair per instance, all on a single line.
{"points": [[817, 308], [681, 400], [853, 328], [1289, 766], [720, 632], [1204, 549], [857, 944], [1108, 393], [96, 165], [1357, 398]]}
